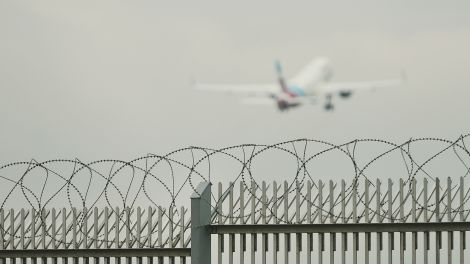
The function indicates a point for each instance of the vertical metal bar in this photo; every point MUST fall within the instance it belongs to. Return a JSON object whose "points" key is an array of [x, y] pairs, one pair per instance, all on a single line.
{"points": [[263, 219], [64, 233], [390, 219], [53, 228], [43, 233], [182, 226], [12, 230], [139, 227], [461, 204], [462, 233], [160, 232], [286, 220], [2, 234], [378, 201], [425, 200], [438, 219], [414, 237], [219, 222], [231, 241], [298, 236], [344, 235], [402, 212], [106, 233], [74, 232], [450, 234], [309, 221], [200, 219], [275, 221], [12, 234], [331, 214], [437, 200], [378, 209], [139, 231], [117, 241], [22, 234], [366, 201], [85, 232], [402, 219], [95, 232], [33, 233], [54, 232], [254, 240], [242, 221], [171, 222], [149, 232], [355, 234], [425, 216], [128, 231], [366, 218], [449, 199], [320, 220]]}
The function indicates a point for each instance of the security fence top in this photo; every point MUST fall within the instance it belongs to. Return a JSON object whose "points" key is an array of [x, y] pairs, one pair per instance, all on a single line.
{"points": [[265, 204]]}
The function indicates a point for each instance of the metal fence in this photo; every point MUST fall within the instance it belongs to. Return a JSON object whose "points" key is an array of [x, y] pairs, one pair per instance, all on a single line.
{"points": [[108, 233], [367, 221], [273, 215]]}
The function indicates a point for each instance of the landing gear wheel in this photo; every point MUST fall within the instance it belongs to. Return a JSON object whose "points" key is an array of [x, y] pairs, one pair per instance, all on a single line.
{"points": [[329, 107]]}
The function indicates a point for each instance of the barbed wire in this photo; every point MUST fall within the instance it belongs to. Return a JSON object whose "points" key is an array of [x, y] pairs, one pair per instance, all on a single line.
{"points": [[168, 180]]}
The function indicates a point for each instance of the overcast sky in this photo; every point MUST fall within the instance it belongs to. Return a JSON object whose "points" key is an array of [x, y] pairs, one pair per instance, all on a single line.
{"points": [[101, 79], [111, 79]]}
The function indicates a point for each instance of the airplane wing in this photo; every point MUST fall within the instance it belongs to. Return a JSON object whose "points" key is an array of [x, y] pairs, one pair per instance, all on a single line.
{"points": [[258, 101], [247, 89], [254, 100], [354, 86]]}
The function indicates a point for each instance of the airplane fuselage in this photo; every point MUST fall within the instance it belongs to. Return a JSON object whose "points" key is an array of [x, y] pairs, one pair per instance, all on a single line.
{"points": [[307, 83]]}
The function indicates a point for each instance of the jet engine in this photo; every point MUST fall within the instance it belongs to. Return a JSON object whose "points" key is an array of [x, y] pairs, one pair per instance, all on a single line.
{"points": [[329, 104], [286, 103], [345, 94]]}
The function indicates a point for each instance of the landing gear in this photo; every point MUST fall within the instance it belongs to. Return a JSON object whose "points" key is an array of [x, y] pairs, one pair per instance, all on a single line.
{"points": [[329, 105]]}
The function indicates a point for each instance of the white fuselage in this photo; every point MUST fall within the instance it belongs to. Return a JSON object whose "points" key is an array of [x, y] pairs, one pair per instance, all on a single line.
{"points": [[306, 83]]}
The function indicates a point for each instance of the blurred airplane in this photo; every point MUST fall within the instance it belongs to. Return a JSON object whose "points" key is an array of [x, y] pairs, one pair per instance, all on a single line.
{"points": [[310, 83]]}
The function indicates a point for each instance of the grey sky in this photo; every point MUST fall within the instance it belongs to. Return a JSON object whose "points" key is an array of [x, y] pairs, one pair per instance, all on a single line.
{"points": [[110, 79], [96, 79]]}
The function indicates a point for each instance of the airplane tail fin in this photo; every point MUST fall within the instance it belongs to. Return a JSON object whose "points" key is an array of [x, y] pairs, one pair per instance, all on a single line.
{"points": [[278, 67], [280, 76]]}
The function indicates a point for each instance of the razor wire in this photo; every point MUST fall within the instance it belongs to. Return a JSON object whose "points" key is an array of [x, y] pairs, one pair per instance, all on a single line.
{"points": [[147, 179]]}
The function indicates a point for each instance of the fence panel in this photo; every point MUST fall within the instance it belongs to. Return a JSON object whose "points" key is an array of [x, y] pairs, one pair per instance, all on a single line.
{"points": [[408, 209], [296, 221]]}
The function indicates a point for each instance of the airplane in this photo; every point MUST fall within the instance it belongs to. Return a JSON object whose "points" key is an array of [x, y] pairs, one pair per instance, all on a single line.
{"points": [[309, 84]]}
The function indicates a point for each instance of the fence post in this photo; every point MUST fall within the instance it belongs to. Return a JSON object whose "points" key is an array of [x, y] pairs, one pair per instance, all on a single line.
{"points": [[200, 221]]}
